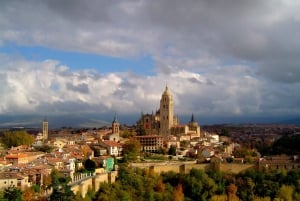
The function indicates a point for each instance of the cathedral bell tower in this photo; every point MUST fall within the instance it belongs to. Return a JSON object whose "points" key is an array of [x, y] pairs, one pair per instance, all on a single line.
{"points": [[166, 112], [45, 130]]}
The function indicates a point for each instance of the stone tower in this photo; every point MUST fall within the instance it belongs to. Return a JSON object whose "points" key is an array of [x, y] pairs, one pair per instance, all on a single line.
{"points": [[193, 125], [166, 112], [45, 129], [115, 126]]}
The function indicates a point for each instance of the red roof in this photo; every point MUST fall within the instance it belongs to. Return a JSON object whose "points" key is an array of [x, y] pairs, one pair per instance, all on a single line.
{"points": [[111, 143]]}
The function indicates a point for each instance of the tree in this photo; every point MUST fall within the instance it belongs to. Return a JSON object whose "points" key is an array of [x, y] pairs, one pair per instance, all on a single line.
{"points": [[13, 194], [127, 134], [47, 182], [231, 190], [44, 148], [131, 150], [219, 198], [90, 165], [172, 151], [286, 193], [224, 132], [178, 193], [61, 191], [28, 194], [16, 138]]}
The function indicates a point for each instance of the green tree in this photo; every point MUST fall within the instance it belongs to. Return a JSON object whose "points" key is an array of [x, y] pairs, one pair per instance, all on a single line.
{"points": [[16, 138], [131, 150], [172, 150], [90, 165], [13, 194], [198, 185], [61, 191], [44, 148], [224, 132], [286, 193]]}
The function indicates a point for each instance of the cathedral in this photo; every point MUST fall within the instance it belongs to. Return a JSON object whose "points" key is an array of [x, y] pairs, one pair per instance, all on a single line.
{"points": [[164, 122]]}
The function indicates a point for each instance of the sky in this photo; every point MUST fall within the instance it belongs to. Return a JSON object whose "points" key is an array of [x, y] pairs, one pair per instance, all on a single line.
{"points": [[220, 59]]}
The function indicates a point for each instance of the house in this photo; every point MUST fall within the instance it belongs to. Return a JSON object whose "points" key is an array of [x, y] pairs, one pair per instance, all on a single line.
{"points": [[60, 142], [107, 162], [13, 179], [17, 158], [113, 148]]}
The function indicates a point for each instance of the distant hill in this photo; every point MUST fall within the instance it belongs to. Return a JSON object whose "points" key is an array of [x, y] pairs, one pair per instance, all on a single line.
{"points": [[295, 121], [31, 121]]}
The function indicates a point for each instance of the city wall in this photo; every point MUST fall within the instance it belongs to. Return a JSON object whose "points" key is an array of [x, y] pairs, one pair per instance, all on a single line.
{"points": [[187, 166], [92, 182]]}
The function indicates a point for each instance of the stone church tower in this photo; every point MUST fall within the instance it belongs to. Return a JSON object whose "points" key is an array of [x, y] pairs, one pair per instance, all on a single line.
{"points": [[45, 129], [115, 126], [166, 112]]}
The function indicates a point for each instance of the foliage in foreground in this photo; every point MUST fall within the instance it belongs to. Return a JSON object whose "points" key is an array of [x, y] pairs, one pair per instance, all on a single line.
{"points": [[198, 185]]}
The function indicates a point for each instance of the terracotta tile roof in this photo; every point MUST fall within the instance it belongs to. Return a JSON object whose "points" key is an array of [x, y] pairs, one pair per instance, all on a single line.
{"points": [[111, 143]]}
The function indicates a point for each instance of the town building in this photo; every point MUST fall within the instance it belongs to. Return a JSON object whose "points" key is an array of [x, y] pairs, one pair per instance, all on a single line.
{"points": [[113, 148], [13, 179], [150, 143]]}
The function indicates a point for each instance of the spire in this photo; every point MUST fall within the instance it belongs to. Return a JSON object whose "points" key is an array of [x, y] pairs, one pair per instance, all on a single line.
{"points": [[115, 118], [192, 119], [167, 91]]}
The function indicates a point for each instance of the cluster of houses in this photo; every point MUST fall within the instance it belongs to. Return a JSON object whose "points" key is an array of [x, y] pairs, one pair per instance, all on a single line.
{"points": [[24, 166]]}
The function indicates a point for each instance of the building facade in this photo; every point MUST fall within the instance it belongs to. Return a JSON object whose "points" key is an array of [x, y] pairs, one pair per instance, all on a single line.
{"points": [[150, 143]]}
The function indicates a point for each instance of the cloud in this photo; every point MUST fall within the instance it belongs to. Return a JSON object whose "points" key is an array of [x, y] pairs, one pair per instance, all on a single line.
{"points": [[48, 87], [234, 57]]}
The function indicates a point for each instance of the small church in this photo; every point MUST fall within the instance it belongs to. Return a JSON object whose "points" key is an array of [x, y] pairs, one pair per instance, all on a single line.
{"points": [[115, 134], [163, 122]]}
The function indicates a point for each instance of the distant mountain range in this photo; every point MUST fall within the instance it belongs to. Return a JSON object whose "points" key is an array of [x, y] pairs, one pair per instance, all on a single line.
{"points": [[97, 121], [295, 121]]}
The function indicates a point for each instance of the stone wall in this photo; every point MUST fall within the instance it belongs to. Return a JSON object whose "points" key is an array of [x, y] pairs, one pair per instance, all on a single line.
{"points": [[93, 182], [186, 167]]}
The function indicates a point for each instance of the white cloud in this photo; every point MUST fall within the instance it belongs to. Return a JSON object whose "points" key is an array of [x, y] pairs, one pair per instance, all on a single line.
{"points": [[48, 87]]}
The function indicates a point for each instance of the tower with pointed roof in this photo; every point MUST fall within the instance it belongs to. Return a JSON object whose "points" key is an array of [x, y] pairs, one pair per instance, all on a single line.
{"points": [[166, 112], [115, 125], [193, 125]]}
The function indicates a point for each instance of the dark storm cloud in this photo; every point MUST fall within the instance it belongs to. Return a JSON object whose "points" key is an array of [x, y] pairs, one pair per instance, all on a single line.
{"points": [[260, 32], [81, 11]]}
